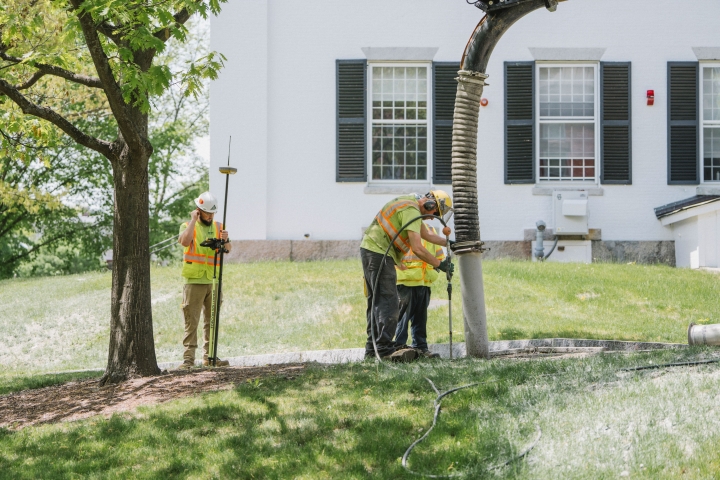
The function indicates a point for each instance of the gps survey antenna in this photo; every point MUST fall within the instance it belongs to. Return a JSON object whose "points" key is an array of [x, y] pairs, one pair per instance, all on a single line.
{"points": [[212, 354]]}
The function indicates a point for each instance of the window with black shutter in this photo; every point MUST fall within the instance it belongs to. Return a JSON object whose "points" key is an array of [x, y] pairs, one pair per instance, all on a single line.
{"points": [[351, 104], [683, 131], [615, 123], [519, 122], [445, 88]]}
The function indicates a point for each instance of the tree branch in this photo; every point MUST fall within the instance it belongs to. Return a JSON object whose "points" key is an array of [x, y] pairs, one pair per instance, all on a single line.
{"points": [[33, 80], [15, 258], [46, 69], [107, 78], [180, 18], [109, 31], [30, 108]]}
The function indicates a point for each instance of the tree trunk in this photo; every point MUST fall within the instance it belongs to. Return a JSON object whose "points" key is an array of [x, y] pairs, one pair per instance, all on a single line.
{"points": [[132, 348]]}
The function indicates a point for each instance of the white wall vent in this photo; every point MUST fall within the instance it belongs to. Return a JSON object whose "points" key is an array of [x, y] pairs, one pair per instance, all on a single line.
{"points": [[571, 212]]}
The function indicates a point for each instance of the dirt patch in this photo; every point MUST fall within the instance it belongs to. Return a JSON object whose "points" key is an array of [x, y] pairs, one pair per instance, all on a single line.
{"points": [[83, 399]]}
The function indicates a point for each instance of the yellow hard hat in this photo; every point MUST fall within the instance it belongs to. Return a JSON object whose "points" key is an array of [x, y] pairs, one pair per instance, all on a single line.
{"points": [[443, 200]]}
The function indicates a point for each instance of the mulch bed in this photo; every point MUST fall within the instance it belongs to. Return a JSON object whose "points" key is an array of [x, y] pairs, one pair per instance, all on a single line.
{"points": [[82, 399]]}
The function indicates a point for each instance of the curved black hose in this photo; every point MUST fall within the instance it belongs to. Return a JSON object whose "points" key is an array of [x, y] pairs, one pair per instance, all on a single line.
{"points": [[377, 277], [552, 249], [436, 407]]}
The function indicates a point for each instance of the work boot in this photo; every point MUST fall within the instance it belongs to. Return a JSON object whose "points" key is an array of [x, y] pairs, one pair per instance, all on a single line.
{"points": [[186, 365], [428, 354], [218, 363], [403, 355]]}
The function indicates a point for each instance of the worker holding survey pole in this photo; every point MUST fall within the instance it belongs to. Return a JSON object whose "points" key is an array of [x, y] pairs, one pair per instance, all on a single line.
{"points": [[199, 266]]}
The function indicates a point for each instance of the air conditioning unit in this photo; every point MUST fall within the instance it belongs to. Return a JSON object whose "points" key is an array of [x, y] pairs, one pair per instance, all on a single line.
{"points": [[571, 212]]}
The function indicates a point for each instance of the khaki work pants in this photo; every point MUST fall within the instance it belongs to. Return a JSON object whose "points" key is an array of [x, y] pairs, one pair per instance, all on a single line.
{"points": [[196, 299]]}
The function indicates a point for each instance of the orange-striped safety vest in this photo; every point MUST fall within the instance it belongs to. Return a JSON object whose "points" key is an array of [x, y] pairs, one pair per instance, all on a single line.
{"points": [[418, 272], [390, 225], [199, 260]]}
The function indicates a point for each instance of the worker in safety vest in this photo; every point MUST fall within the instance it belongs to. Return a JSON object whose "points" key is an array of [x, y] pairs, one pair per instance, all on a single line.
{"points": [[198, 269], [399, 215], [414, 278]]}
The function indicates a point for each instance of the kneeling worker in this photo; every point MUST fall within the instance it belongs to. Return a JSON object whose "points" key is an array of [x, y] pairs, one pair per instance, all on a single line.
{"points": [[378, 237], [198, 266], [414, 279]]}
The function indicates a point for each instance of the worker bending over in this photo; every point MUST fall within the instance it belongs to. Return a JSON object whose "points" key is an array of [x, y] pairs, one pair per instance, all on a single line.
{"points": [[198, 270], [376, 240], [414, 278]]}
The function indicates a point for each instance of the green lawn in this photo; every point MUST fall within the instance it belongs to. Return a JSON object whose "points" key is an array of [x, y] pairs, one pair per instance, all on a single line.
{"points": [[62, 323], [355, 421]]}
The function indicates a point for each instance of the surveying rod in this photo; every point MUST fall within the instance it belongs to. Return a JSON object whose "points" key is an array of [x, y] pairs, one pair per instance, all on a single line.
{"points": [[227, 171], [448, 276]]}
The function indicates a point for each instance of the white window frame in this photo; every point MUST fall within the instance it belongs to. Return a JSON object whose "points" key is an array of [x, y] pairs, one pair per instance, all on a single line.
{"points": [[595, 120], [704, 122], [369, 125]]}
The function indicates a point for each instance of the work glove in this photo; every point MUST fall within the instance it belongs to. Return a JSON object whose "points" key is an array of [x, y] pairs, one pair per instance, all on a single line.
{"points": [[446, 266]]}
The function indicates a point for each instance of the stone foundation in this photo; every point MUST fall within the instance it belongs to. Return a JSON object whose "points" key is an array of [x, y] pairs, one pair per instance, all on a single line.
{"points": [[245, 251], [633, 251]]}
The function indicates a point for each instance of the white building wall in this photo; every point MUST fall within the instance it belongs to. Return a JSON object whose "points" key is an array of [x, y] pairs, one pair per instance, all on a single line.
{"points": [[277, 97], [709, 241], [687, 250], [239, 108]]}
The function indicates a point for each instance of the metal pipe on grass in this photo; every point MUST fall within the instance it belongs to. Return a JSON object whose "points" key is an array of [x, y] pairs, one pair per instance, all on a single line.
{"points": [[704, 334]]}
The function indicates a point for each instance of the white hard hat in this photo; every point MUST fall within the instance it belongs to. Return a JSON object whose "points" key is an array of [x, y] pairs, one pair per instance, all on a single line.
{"points": [[206, 202]]}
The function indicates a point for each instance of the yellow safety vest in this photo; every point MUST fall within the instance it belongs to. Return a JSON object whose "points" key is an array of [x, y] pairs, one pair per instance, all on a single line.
{"points": [[199, 261], [390, 224], [419, 273]]}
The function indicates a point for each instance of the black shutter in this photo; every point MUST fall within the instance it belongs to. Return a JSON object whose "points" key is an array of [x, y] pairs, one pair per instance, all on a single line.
{"points": [[683, 131], [519, 122], [615, 123], [351, 130], [445, 88]]}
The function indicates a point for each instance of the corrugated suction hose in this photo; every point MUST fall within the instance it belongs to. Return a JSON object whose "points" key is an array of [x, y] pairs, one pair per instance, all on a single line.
{"points": [[464, 155]]}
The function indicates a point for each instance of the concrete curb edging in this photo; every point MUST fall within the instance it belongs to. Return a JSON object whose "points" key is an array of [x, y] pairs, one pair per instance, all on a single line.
{"points": [[497, 347]]}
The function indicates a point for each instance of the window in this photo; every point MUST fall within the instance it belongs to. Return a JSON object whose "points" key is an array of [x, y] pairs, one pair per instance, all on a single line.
{"points": [[710, 86], [567, 123], [384, 132], [398, 130]]}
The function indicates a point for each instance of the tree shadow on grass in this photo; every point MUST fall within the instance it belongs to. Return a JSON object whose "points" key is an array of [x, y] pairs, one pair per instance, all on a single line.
{"points": [[350, 426]]}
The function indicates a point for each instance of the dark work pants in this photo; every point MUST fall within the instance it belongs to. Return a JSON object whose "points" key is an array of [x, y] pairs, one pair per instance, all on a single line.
{"points": [[386, 301], [414, 303]]}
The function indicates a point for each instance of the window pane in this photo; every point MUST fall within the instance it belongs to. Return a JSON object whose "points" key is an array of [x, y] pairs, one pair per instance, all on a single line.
{"points": [[711, 154], [569, 150], [398, 151], [399, 148], [567, 91], [711, 93]]}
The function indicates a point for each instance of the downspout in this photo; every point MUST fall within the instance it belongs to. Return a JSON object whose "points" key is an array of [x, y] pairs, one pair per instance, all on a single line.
{"points": [[471, 80]]}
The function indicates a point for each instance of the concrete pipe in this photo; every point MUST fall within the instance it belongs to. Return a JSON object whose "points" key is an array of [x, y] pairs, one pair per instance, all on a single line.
{"points": [[704, 334]]}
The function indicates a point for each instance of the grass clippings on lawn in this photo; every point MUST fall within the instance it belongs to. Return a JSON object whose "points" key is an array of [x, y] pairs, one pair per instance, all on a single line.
{"points": [[84, 398]]}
